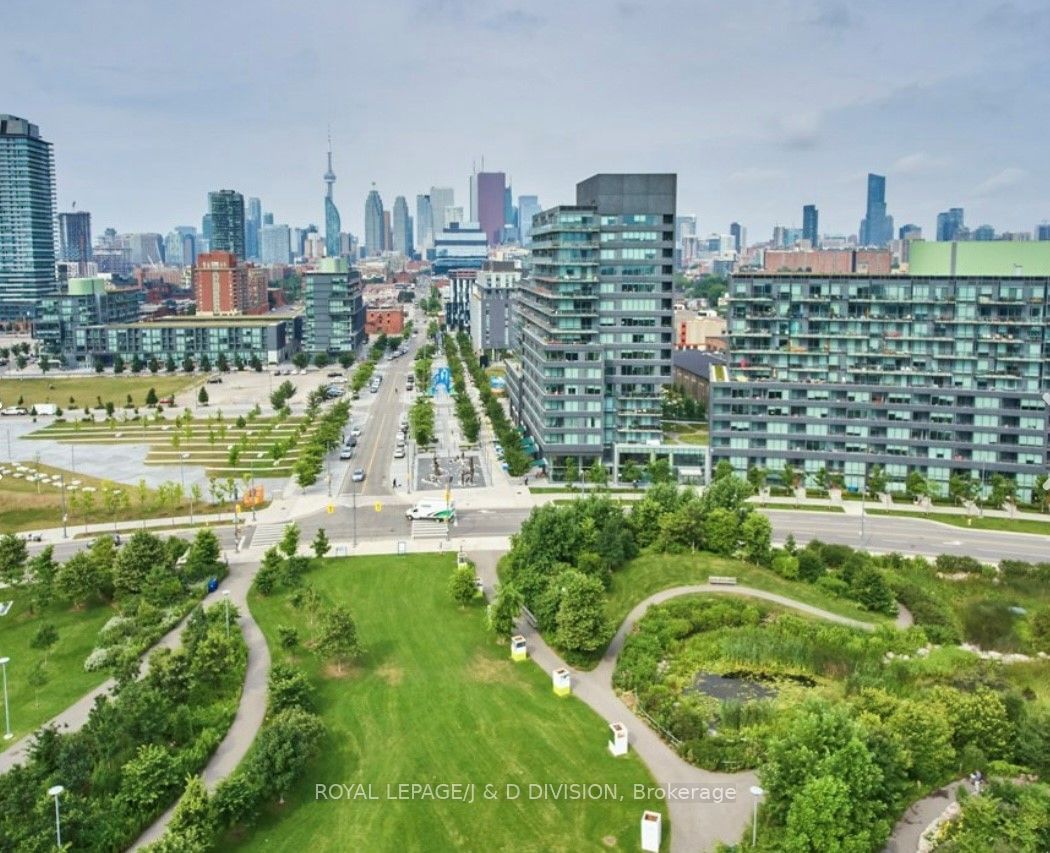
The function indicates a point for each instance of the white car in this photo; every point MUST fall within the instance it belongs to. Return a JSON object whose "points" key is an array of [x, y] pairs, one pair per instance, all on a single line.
{"points": [[355, 432], [399, 453]]}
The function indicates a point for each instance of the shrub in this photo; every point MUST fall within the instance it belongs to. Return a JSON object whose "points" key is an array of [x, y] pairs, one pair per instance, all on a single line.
{"points": [[950, 564]]}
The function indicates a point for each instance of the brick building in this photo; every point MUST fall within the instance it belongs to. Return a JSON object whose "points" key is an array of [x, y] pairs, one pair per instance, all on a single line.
{"points": [[222, 285], [830, 262], [384, 321]]}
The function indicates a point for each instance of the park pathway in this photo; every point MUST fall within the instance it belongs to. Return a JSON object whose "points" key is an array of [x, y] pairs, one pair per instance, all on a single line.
{"points": [[707, 816], [252, 706], [909, 829]]}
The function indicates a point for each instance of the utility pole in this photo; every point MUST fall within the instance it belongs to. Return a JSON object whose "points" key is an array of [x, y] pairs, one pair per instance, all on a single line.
{"points": [[353, 492], [65, 533]]}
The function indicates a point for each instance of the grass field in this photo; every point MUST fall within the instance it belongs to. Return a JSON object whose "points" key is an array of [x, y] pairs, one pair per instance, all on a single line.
{"points": [[1008, 525], [652, 572], [26, 505], [436, 700], [66, 680], [86, 390]]}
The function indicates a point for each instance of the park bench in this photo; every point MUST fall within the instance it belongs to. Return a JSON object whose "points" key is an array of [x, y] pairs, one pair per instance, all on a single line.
{"points": [[722, 579]]}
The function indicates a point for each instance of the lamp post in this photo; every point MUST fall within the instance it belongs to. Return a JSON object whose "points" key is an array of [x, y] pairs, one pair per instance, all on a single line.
{"points": [[7, 709], [863, 495], [55, 791], [226, 602], [65, 515], [757, 793], [353, 492], [182, 470]]}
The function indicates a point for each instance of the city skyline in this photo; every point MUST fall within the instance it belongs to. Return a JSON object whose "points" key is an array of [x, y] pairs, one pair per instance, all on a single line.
{"points": [[931, 122]]}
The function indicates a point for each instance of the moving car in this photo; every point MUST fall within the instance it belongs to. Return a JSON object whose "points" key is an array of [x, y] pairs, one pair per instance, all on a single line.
{"points": [[359, 475], [432, 511]]}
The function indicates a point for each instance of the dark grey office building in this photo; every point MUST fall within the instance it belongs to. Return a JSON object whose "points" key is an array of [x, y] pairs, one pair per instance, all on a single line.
{"points": [[594, 321], [335, 312], [27, 219], [74, 237], [226, 209], [876, 229], [810, 226]]}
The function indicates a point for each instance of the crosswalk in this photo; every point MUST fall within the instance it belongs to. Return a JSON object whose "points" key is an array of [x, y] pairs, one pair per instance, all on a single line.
{"points": [[266, 535], [426, 529]]}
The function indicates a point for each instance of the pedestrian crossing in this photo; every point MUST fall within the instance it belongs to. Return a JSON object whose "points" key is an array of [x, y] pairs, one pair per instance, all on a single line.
{"points": [[266, 535], [426, 529]]}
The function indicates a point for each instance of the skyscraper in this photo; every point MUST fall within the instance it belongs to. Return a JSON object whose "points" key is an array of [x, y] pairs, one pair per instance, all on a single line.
{"points": [[738, 232], [275, 244], [74, 238], [27, 218], [335, 312], [252, 226], [490, 189], [388, 231], [950, 224], [876, 229], [226, 208], [424, 223], [510, 222], [332, 225], [374, 231], [598, 299], [810, 228], [441, 198], [528, 206], [1042, 231], [401, 228]]}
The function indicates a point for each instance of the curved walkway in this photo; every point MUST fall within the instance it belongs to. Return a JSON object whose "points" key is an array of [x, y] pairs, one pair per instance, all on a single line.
{"points": [[716, 807], [252, 707], [917, 819]]}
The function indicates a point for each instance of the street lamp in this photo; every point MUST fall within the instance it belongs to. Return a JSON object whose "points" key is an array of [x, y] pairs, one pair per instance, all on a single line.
{"points": [[182, 471], [226, 602], [758, 794], [55, 791], [7, 709]]}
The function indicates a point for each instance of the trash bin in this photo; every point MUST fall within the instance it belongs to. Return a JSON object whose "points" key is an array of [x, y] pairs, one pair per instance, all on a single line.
{"points": [[213, 584]]}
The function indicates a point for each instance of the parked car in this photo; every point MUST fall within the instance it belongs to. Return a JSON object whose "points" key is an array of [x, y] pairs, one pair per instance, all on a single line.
{"points": [[358, 475], [14, 410], [214, 380], [346, 453], [355, 432], [332, 374], [399, 453], [33, 537]]}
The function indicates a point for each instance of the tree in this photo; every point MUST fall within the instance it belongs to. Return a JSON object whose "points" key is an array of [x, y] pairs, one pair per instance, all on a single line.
{"points": [[321, 360], [283, 749], [288, 637], [338, 637], [21, 361], [630, 472], [597, 475], [461, 585], [195, 812], [1002, 490], [572, 470], [504, 611], [290, 540], [118, 364], [45, 637], [42, 572], [821, 479], [756, 533], [962, 487], [206, 363], [756, 477], [188, 365], [876, 481], [202, 559], [255, 363], [169, 364], [723, 469], [13, 556], [137, 562], [300, 360], [581, 621], [789, 476], [289, 688], [148, 779], [659, 471], [153, 365], [819, 819], [222, 364], [346, 359], [915, 485], [151, 397], [137, 364], [202, 396], [321, 545], [869, 587], [45, 363], [1040, 493], [78, 579], [721, 531]]}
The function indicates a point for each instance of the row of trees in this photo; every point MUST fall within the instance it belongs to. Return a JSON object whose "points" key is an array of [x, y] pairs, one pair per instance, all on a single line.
{"points": [[324, 438], [189, 364], [518, 461], [465, 412]]}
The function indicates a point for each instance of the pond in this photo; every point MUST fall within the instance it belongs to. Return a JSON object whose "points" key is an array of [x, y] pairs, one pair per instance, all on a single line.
{"points": [[730, 687]]}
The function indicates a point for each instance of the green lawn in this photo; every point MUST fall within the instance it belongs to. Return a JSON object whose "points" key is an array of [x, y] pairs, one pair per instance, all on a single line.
{"points": [[86, 390], [652, 572], [436, 700], [1009, 525], [66, 679]]}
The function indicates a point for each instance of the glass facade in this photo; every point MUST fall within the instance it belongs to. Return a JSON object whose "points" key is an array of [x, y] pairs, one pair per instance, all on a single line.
{"points": [[335, 313], [939, 375], [27, 219]]}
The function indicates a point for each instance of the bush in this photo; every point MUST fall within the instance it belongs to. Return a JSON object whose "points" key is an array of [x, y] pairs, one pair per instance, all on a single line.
{"points": [[950, 564]]}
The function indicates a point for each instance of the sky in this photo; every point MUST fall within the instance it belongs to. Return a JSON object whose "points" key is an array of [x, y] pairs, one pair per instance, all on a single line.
{"points": [[759, 106]]}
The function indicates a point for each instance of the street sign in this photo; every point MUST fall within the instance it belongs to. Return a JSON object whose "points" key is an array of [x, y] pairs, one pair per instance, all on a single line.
{"points": [[379, 507], [330, 508]]}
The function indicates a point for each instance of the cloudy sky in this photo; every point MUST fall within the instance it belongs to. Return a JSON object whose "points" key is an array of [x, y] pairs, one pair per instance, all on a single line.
{"points": [[760, 106]]}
